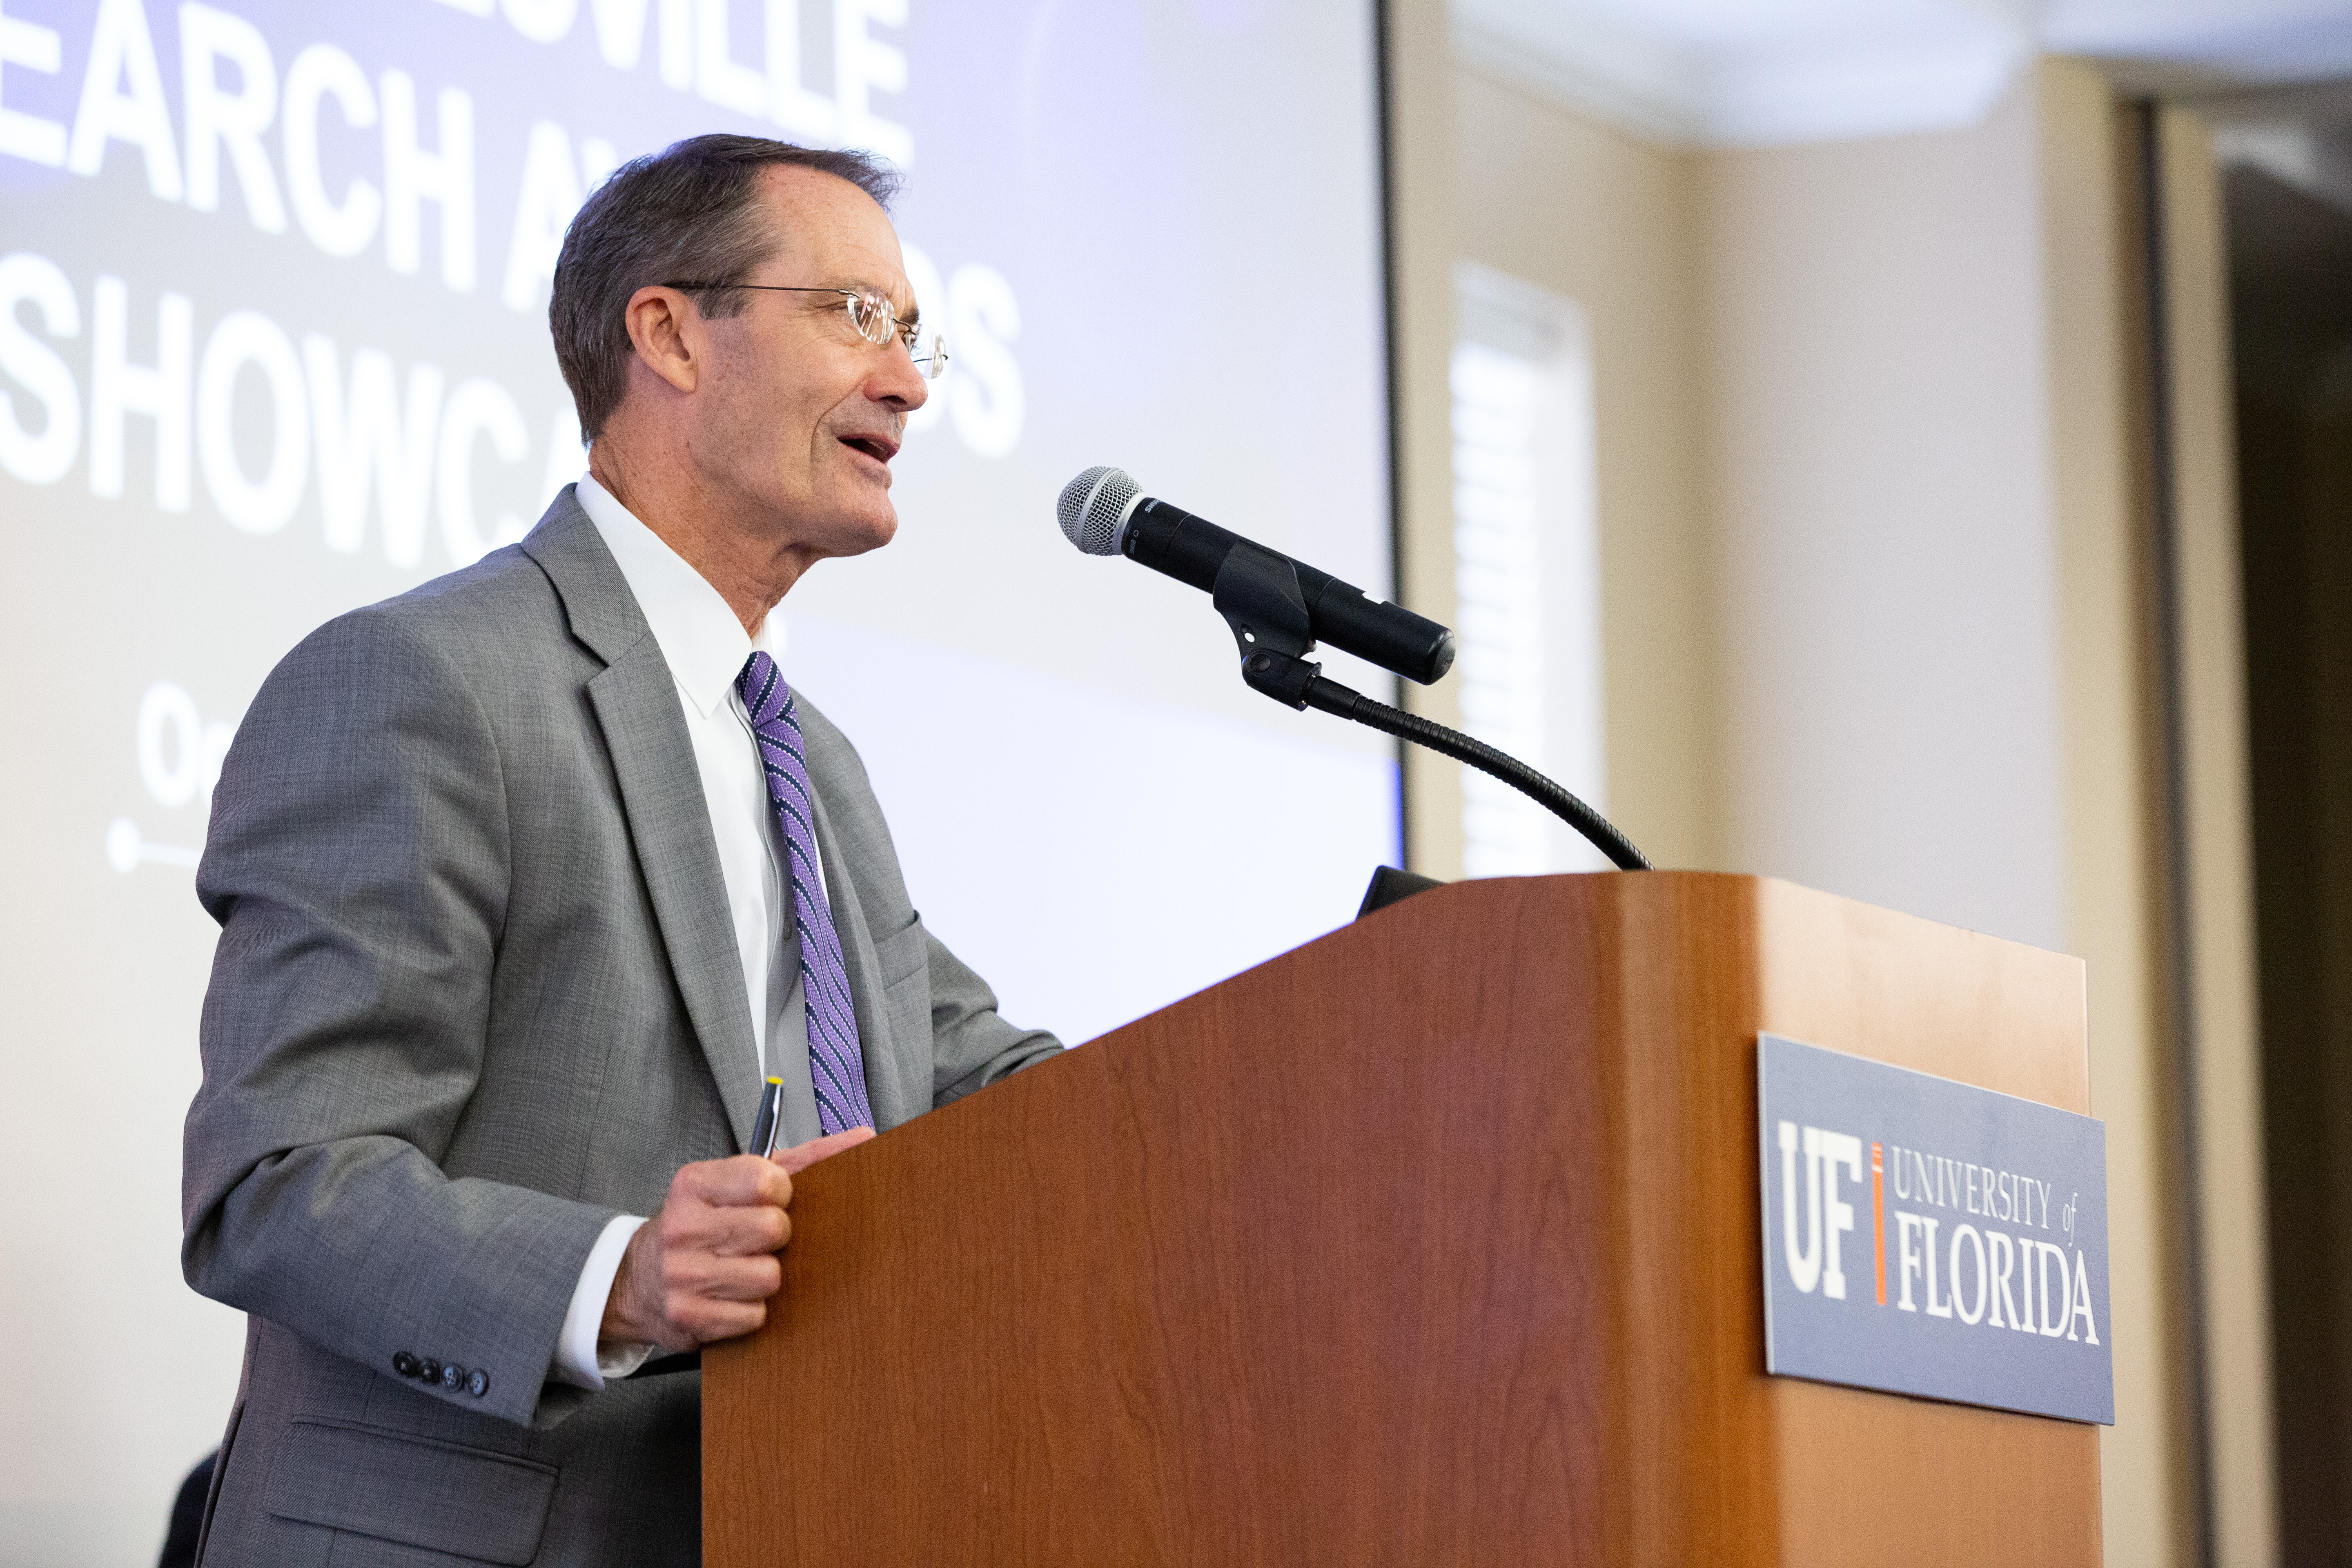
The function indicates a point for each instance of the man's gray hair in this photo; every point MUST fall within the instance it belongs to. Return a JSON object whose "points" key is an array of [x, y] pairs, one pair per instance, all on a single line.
{"points": [[690, 211]]}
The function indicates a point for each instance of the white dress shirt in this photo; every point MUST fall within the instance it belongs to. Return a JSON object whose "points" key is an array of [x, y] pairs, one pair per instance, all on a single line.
{"points": [[705, 647]]}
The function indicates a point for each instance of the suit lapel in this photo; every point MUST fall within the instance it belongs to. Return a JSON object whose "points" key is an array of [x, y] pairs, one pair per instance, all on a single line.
{"points": [[669, 821], [637, 703]]}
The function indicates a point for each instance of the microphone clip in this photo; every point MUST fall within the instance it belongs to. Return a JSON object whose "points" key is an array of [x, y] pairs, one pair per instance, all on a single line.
{"points": [[1257, 592]]}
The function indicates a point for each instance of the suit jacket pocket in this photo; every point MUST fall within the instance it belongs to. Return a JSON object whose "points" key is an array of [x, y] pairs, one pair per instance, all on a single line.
{"points": [[904, 960], [467, 1502], [902, 953]]}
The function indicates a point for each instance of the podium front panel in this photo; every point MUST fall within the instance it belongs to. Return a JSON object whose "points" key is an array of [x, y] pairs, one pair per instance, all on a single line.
{"points": [[1433, 1241]]}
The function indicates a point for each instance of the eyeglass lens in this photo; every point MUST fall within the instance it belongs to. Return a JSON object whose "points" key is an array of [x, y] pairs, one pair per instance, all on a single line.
{"points": [[877, 321], [872, 316]]}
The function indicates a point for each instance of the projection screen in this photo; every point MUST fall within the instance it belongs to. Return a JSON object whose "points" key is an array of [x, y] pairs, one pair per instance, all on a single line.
{"points": [[273, 344]]}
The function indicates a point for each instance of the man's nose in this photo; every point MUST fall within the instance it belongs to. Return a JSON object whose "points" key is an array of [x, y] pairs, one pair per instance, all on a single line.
{"points": [[899, 382]]}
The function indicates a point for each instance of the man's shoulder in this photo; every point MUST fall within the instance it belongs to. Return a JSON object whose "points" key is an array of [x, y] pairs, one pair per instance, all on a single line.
{"points": [[501, 599], [483, 618], [498, 618]]}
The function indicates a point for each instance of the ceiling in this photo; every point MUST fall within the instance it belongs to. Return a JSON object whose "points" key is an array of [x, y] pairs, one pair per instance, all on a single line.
{"points": [[1768, 72]]}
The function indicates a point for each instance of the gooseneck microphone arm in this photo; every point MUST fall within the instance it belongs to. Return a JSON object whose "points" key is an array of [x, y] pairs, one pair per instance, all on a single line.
{"points": [[1258, 593], [1333, 698]]}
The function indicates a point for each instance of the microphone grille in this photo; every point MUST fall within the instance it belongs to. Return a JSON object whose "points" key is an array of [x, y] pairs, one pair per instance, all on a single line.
{"points": [[1093, 506]]}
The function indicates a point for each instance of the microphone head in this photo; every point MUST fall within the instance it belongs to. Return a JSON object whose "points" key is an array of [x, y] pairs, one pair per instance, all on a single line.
{"points": [[1094, 507]]}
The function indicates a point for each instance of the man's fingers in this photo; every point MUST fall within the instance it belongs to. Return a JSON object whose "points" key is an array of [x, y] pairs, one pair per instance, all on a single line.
{"points": [[738, 1231], [801, 1156], [707, 1321], [706, 1277], [736, 1181], [744, 1232]]}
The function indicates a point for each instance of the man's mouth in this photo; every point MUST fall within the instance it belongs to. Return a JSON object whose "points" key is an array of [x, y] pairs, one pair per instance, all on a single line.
{"points": [[881, 448]]}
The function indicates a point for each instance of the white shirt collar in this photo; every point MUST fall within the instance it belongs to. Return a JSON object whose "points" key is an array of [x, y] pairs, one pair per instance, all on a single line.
{"points": [[700, 639]]}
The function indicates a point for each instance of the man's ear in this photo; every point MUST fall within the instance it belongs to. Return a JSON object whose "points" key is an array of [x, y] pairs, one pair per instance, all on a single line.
{"points": [[667, 330]]}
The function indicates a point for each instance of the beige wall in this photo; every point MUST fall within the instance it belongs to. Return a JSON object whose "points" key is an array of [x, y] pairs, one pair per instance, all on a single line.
{"points": [[1880, 503], [1876, 608]]}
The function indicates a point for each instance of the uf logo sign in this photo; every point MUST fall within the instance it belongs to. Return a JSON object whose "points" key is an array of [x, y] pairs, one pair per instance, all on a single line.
{"points": [[1825, 1153]]}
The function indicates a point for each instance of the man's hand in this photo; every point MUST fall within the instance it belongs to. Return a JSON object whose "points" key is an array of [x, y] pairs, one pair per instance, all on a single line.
{"points": [[703, 1268]]}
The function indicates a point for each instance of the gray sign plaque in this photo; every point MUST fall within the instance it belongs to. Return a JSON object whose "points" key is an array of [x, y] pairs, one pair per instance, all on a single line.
{"points": [[1927, 1237]]}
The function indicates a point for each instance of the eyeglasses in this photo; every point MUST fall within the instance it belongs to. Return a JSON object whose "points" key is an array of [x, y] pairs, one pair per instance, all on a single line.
{"points": [[870, 311]]}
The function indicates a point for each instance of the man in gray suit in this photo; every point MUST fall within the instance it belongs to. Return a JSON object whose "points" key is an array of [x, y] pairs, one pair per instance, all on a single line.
{"points": [[526, 880]]}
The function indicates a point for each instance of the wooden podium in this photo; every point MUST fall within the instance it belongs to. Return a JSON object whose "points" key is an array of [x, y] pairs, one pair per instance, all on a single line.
{"points": [[1436, 1241]]}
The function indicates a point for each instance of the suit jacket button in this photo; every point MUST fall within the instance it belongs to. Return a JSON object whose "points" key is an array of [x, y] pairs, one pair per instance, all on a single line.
{"points": [[406, 1365], [453, 1377], [479, 1384], [431, 1371]]}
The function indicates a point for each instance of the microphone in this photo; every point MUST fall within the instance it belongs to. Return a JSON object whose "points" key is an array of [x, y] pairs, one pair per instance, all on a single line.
{"points": [[1104, 513]]}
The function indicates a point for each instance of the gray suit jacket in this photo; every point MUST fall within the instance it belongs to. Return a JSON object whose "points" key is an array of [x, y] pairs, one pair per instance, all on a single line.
{"points": [[476, 993]]}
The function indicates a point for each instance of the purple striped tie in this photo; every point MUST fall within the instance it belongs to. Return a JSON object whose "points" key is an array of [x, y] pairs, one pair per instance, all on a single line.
{"points": [[836, 1067]]}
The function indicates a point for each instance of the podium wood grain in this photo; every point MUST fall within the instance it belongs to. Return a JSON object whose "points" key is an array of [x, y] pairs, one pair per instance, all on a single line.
{"points": [[1434, 1241]]}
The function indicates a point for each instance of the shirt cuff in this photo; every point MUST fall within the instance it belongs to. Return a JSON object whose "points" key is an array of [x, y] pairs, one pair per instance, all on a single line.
{"points": [[580, 1360]]}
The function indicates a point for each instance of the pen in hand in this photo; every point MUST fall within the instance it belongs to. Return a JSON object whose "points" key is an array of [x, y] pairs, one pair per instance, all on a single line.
{"points": [[770, 1121]]}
